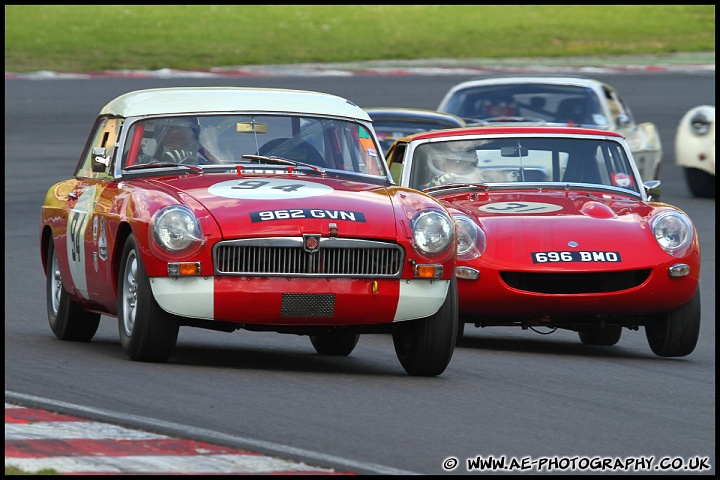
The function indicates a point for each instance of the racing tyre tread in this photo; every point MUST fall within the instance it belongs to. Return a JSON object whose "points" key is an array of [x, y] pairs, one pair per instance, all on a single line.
{"points": [[425, 346], [460, 331], [336, 343], [700, 182], [675, 334], [68, 320], [152, 332]]}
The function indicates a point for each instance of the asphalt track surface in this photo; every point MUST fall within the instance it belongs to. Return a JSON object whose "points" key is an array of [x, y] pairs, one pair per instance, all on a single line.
{"points": [[87, 432]]}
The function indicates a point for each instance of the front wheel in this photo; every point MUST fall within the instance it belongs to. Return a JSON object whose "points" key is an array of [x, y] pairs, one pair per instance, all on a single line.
{"points": [[700, 182], [68, 321], [425, 346], [675, 333], [336, 343], [147, 332]]}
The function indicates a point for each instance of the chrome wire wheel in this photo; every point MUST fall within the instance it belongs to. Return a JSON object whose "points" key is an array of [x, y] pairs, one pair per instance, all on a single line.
{"points": [[147, 332], [56, 286], [129, 293], [67, 318]]}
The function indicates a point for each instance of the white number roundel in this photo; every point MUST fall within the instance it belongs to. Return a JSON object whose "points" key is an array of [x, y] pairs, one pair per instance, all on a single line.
{"points": [[520, 208], [268, 189]]}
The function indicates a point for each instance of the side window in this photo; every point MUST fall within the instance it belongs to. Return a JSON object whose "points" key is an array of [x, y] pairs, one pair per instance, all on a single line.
{"points": [[617, 106], [396, 167], [105, 136]]}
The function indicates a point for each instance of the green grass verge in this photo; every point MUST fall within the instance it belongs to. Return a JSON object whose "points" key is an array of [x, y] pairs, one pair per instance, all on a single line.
{"points": [[113, 37]]}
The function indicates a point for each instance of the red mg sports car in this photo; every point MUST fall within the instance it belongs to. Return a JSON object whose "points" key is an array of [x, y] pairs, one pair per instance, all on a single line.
{"points": [[241, 208], [556, 229]]}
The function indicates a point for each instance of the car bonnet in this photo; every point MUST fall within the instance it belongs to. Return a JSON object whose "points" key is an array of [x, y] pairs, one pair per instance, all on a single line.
{"points": [[519, 222], [276, 205]]}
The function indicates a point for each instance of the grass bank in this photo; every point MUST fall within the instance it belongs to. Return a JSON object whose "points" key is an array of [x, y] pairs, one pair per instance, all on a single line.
{"points": [[112, 37]]}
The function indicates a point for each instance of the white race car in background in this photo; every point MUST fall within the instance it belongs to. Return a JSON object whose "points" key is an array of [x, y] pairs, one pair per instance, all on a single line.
{"points": [[695, 150], [571, 100]]}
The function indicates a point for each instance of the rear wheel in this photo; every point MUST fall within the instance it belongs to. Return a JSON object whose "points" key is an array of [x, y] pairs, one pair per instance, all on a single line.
{"points": [[700, 182], [675, 333], [607, 335], [335, 343], [425, 346], [68, 321], [147, 332]]}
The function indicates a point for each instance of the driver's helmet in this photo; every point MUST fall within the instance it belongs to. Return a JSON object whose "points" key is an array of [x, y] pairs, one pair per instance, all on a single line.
{"points": [[457, 169], [180, 133], [499, 107]]}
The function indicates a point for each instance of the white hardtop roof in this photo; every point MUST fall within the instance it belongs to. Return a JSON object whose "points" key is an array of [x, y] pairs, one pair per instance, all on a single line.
{"points": [[197, 100], [505, 80]]}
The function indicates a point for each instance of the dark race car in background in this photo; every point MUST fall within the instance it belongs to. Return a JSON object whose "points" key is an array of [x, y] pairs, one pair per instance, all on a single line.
{"points": [[393, 123]]}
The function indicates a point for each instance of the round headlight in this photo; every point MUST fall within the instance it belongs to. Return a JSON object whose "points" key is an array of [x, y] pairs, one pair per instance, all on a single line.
{"points": [[432, 232], [700, 123], [176, 229], [471, 238], [673, 232]]}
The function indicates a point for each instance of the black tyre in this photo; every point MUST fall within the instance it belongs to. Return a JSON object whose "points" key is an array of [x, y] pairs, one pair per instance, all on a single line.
{"points": [[425, 346], [336, 343], [675, 334], [147, 332], [68, 321], [700, 182], [460, 331], [607, 335]]}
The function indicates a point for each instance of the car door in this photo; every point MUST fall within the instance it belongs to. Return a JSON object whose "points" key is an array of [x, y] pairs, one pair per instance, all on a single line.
{"points": [[87, 210]]}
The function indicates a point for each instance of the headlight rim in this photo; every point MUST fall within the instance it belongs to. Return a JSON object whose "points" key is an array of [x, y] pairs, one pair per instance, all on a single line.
{"points": [[447, 244], [683, 247], [479, 241], [194, 238], [700, 123]]}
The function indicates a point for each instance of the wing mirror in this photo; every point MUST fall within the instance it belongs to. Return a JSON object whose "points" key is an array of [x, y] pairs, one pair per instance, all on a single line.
{"points": [[100, 161], [652, 187]]}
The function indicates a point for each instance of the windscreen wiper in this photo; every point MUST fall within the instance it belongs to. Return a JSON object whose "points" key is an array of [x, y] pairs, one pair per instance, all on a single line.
{"points": [[143, 166], [457, 186], [283, 161]]}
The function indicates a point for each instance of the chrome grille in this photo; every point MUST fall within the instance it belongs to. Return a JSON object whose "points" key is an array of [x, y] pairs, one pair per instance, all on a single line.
{"points": [[286, 256]]}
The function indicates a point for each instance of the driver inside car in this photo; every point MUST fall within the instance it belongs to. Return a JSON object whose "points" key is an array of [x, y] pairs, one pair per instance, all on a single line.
{"points": [[179, 143], [453, 170]]}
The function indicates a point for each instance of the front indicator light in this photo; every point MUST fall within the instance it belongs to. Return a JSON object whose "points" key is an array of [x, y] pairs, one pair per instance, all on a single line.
{"points": [[679, 270], [428, 271], [183, 269], [467, 273]]}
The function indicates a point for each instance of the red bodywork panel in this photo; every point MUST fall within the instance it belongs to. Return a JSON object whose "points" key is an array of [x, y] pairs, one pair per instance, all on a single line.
{"points": [[233, 206]]}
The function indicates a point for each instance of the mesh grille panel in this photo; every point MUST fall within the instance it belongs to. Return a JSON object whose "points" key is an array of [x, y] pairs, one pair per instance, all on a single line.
{"points": [[316, 305]]}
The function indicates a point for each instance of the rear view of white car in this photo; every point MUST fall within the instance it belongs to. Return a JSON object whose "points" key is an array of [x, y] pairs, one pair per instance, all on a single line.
{"points": [[695, 150]]}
